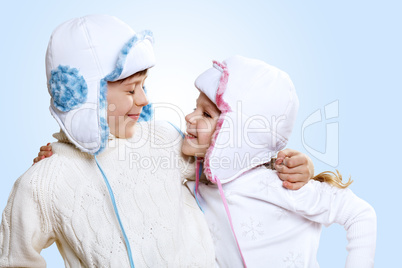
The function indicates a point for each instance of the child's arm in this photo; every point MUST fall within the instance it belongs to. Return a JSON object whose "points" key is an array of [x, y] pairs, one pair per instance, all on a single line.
{"points": [[24, 230], [325, 204], [294, 168]]}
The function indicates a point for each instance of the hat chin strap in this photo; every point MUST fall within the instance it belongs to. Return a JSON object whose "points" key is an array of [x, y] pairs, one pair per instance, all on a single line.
{"points": [[218, 182], [198, 173], [130, 257]]}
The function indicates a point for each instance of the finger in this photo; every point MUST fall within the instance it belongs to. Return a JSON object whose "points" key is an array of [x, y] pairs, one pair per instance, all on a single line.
{"points": [[294, 185], [46, 148], [295, 161], [279, 161], [37, 159], [292, 177], [287, 153], [45, 153], [302, 169]]}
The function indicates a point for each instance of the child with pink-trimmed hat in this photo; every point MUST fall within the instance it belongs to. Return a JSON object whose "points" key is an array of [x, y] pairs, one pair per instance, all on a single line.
{"points": [[244, 115]]}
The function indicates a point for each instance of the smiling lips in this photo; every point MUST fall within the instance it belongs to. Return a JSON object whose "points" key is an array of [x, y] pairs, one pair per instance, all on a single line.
{"points": [[190, 136], [134, 116]]}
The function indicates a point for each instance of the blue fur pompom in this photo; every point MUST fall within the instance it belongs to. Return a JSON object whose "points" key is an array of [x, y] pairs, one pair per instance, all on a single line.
{"points": [[68, 88]]}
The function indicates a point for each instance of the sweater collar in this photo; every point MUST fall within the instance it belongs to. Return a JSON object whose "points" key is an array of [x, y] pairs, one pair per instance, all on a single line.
{"points": [[65, 146], [62, 137]]}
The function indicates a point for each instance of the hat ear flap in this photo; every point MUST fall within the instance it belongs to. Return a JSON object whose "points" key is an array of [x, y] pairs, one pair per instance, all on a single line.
{"points": [[68, 88]]}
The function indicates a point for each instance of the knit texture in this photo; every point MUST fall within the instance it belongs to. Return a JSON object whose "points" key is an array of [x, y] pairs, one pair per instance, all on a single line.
{"points": [[63, 199]]}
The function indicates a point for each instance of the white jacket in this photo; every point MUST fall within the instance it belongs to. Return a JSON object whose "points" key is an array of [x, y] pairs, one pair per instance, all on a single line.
{"points": [[275, 227]]}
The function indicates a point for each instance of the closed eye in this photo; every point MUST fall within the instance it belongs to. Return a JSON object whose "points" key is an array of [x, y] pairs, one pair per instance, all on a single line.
{"points": [[131, 92], [207, 115]]}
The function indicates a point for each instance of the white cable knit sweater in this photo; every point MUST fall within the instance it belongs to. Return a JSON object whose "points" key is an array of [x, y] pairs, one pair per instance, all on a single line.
{"points": [[64, 199]]}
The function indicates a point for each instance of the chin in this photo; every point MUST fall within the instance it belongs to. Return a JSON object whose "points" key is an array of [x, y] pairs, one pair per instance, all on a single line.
{"points": [[186, 150], [189, 150], [128, 129], [129, 132], [124, 133]]}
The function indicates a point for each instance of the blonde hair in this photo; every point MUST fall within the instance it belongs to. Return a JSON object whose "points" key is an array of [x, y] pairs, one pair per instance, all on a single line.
{"points": [[333, 179]]}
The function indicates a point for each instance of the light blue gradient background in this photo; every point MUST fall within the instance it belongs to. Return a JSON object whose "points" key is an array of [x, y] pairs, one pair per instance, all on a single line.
{"points": [[346, 51]]}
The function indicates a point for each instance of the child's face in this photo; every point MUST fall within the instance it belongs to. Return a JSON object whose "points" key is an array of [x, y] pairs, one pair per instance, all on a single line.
{"points": [[201, 125], [125, 101]]}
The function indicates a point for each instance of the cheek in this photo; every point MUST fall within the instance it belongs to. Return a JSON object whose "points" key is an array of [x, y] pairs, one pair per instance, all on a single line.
{"points": [[204, 126], [205, 130], [119, 106]]}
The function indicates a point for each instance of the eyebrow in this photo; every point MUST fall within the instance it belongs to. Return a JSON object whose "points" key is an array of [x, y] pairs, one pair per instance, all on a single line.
{"points": [[132, 80], [212, 108]]}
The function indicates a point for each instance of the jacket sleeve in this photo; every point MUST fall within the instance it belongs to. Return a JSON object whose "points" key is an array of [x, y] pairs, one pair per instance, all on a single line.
{"points": [[24, 230], [325, 204]]}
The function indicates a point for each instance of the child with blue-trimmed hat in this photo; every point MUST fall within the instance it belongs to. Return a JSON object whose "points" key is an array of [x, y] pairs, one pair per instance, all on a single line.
{"points": [[96, 67]]}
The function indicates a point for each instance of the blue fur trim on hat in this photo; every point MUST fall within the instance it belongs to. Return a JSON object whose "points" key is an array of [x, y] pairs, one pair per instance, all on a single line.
{"points": [[123, 54], [68, 88], [103, 94], [102, 112], [104, 135], [147, 111]]}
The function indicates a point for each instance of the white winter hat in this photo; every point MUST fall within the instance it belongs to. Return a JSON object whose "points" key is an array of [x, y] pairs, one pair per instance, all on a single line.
{"points": [[258, 105], [82, 55]]}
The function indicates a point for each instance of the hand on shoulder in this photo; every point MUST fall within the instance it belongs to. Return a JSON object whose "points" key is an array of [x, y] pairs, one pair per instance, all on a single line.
{"points": [[44, 152], [294, 168]]}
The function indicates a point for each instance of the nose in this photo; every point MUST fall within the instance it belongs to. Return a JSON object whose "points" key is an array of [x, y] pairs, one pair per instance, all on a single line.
{"points": [[140, 98], [190, 118]]}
